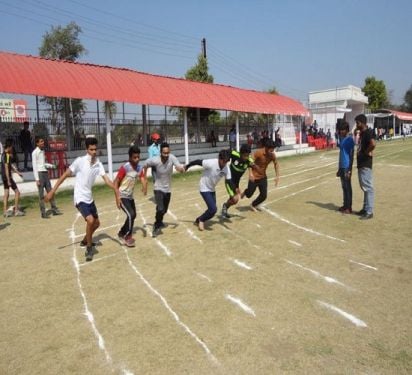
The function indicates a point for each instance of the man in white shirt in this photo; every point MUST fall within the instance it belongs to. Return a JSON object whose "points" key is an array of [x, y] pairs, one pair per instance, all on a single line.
{"points": [[86, 169], [41, 176], [213, 171]]}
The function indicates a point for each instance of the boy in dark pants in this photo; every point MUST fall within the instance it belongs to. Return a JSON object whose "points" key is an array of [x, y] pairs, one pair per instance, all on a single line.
{"points": [[125, 181]]}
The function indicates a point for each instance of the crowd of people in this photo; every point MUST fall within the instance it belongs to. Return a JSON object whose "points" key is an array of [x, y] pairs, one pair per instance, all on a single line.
{"points": [[162, 163]]}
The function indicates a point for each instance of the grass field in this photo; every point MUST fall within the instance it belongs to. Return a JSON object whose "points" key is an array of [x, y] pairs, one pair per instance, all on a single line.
{"points": [[297, 288]]}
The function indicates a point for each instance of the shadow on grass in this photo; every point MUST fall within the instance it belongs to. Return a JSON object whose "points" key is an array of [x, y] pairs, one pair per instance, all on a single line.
{"points": [[4, 225], [326, 206]]}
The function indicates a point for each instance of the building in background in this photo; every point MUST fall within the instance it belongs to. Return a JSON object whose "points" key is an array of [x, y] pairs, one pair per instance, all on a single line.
{"points": [[327, 106], [13, 110]]}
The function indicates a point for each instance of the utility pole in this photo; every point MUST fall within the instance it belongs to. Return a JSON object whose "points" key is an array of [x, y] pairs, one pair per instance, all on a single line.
{"points": [[204, 47]]}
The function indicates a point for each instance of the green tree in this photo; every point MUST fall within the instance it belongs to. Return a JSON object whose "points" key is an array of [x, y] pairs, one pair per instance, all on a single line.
{"points": [[376, 92], [407, 105], [63, 43]]}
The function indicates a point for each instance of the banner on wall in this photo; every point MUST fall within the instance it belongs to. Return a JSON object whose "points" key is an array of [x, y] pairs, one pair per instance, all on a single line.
{"points": [[13, 110]]}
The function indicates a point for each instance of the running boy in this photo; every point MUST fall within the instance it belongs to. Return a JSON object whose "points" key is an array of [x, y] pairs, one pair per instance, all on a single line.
{"points": [[86, 168], [125, 182], [6, 172], [258, 179], [214, 170]]}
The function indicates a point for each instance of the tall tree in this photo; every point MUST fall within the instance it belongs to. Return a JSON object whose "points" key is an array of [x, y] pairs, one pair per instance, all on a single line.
{"points": [[63, 43], [407, 105], [376, 92]]}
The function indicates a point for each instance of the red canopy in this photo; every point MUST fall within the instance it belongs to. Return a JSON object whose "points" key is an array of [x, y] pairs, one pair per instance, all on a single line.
{"points": [[31, 75]]}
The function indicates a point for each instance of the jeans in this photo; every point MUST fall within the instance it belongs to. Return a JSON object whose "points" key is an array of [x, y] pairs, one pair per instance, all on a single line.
{"points": [[366, 184], [45, 184], [210, 199], [346, 183]]}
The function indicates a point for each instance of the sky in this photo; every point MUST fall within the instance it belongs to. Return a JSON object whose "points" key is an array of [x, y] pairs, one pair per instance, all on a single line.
{"points": [[296, 46]]}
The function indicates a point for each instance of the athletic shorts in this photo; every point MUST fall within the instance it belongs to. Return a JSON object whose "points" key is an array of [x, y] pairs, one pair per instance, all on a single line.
{"points": [[87, 209], [12, 184]]}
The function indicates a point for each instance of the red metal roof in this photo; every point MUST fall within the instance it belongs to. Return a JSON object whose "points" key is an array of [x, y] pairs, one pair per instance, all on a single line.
{"points": [[31, 75]]}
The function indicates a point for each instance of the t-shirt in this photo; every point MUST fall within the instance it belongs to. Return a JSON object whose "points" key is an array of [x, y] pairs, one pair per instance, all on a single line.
{"points": [[363, 159], [346, 146], [212, 173], [86, 174], [262, 160], [153, 150], [163, 171], [128, 176], [238, 166], [5, 163]]}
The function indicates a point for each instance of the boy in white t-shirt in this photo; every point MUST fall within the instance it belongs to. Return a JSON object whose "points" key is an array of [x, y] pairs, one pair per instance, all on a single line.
{"points": [[86, 169], [213, 171]]}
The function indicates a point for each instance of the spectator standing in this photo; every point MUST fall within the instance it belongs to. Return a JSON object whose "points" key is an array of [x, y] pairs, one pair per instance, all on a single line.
{"points": [[364, 158], [154, 150], [26, 144], [41, 176], [6, 172], [346, 147], [232, 138]]}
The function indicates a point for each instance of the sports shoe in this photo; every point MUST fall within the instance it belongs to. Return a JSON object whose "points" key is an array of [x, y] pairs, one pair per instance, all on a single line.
{"points": [[56, 212], [361, 212], [224, 213], [18, 213], [44, 215], [366, 217], [129, 241], [89, 253], [347, 211], [83, 243], [156, 232]]}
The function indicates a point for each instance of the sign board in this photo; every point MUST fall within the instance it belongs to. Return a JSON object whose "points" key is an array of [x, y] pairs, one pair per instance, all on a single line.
{"points": [[13, 110]]}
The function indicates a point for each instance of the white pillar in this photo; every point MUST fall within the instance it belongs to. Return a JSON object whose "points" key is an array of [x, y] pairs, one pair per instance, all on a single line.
{"points": [[394, 121], [185, 135], [237, 132], [109, 144]]}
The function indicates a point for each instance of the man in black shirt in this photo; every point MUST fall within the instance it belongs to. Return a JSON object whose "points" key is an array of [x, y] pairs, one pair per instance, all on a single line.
{"points": [[364, 160]]}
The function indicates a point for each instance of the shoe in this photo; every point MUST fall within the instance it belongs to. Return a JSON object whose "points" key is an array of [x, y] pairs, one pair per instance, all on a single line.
{"points": [[89, 254], [162, 225], [129, 241], [361, 212], [224, 213], [347, 211], [366, 217], [56, 212], [83, 243], [156, 232], [18, 213], [45, 216], [201, 225]]}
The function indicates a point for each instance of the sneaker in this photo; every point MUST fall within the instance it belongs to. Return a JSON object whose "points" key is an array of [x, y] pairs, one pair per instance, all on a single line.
{"points": [[18, 213], [347, 211], [224, 213], [56, 212], [44, 215], [83, 243], [129, 241], [361, 212], [156, 232], [366, 217], [89, 253]]}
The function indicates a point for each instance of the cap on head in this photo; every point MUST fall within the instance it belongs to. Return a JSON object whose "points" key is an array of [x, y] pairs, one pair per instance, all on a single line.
{"points": [[155, 136]]}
